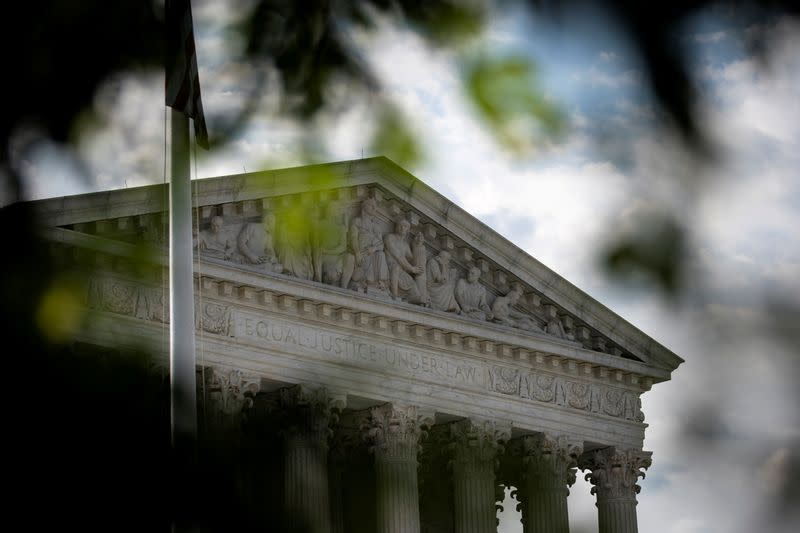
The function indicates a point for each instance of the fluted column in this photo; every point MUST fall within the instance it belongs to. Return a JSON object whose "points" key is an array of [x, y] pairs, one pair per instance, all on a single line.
{"points": [[307, 414], [548, 470], [395, 432], [614, 475], [475, 446]]}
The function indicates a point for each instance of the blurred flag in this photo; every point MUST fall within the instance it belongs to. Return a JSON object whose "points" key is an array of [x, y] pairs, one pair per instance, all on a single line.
{"points": [[182, 80]]}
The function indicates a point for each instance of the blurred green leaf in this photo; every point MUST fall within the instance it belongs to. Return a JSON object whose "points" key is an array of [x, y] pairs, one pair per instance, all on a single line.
{"points": [[60, 311], [655, 250], [506, 94], [394, 139], [447, 22]]}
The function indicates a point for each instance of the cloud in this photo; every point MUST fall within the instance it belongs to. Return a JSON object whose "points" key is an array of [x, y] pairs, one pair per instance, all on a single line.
{"points": [[608, 56], [711, 37], [596, 77]]}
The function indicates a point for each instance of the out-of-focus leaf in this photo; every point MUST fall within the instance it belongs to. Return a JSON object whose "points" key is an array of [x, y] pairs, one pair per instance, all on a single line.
{"points": [[394, 139], [60, 311], [506, 94], [447, 22], [655, 249]]}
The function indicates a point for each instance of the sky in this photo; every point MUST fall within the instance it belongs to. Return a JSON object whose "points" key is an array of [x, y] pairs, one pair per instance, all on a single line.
{"points": [[724, 428]]}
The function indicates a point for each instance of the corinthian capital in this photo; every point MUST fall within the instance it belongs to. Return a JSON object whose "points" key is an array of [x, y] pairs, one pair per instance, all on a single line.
{"points": [[475, 443], [310, 409], [614, 473], [550, 461], [394, 430]]}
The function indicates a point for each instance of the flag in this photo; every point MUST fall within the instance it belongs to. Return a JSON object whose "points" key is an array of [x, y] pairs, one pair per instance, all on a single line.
{"points": [[182, 80]]}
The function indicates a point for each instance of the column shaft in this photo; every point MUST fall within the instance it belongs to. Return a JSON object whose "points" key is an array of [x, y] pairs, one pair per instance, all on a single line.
{"points": [[474, 502], [549, 471], [395, 432], [475, 445], [398, 496], [306, 486], [617, 516], [307, 414], [546, 511]]}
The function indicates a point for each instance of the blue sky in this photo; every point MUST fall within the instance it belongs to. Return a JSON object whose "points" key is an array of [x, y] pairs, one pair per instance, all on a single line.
{"points": [[569, 198]]}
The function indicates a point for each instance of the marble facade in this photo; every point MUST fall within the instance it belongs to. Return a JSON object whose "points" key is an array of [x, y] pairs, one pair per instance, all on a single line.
{"points": [[364, 318]]}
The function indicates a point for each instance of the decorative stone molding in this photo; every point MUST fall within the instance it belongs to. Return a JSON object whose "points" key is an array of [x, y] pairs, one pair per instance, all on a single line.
{"points": [[213, 318], [122, 296], [614, 473], [535, 376]]}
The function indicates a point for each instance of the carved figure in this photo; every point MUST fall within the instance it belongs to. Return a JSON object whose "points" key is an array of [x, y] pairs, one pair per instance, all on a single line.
{"points": [[402, 270], [554, 327], [441, 283], [365, 261], [293, 246], [503, 311], [420, 254], [216, 241], [471, 296], [256, 244], [330, 246]]}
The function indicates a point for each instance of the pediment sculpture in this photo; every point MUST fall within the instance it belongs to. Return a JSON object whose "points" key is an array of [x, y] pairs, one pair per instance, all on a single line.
{"points": [[370, 252]]}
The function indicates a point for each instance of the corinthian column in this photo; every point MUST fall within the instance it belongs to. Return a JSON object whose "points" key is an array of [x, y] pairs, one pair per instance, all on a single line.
{"points": [[614, 475], [307, 413], [475, 446], [395, 432], [548, 465]]}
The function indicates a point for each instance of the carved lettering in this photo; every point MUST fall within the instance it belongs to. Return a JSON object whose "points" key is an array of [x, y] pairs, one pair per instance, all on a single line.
{"points": [[354, 351]]}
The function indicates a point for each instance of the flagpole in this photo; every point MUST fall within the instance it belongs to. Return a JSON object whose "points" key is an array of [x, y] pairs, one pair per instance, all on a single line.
{"points": [[183, 393]]}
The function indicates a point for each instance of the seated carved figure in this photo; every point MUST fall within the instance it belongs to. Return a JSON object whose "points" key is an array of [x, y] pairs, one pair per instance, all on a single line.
{"points": [[441, 283], [471, 296], [504, 312], [293, 247], [330, 246], [365, 261], [216, 241], [256, 244], [400, 260]]}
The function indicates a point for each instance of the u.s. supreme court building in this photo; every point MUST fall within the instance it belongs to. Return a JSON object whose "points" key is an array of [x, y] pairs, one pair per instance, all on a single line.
{"points": [[401, 361]]}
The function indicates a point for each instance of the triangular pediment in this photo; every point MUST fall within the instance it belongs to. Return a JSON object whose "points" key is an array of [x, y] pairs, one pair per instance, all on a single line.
{"points": [[371, 229]]}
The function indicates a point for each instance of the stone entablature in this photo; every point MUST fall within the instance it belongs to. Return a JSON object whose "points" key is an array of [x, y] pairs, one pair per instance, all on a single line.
{"points": [[245, 319]]}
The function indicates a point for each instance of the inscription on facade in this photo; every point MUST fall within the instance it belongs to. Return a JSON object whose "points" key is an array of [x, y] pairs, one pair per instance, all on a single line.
{"points": [[356, 351], [544, 387]]}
